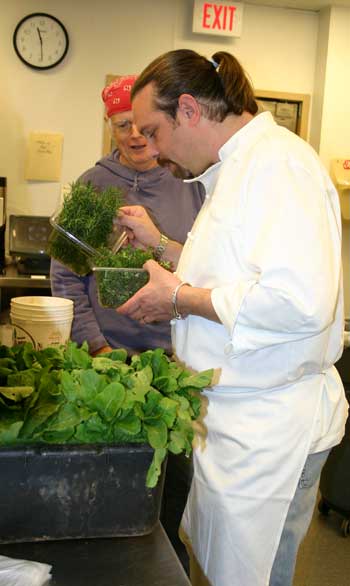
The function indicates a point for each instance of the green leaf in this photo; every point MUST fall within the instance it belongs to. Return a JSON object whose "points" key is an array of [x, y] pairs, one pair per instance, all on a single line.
{"points": [[37, 416], [130, 424], [51, 356], [151, 406], [9, 433], [25, 378], [103, 363], [109, 401], [58, 436], [118, 354], [177, 442], [169, 410], [92, 430], [167, 384], [155, 468], [199, 381], [68, 416], [69, 387], [157, 434], [91, 384], [16, 393], [75, 357]]}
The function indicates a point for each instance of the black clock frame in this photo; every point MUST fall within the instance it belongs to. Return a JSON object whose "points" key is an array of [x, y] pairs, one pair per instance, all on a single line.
{"points": [[14, 39]]}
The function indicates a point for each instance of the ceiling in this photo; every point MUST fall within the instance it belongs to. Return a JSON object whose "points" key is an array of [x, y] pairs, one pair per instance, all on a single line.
{"points": [[314, 5]]}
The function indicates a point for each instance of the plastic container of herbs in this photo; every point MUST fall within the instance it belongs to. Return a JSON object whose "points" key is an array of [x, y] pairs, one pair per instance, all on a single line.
{"points": [[69, 250], [82, 224], [116, 285]]}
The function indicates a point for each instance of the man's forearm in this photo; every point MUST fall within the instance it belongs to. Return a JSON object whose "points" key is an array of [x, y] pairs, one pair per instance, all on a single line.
{"points": [[196, 301]]}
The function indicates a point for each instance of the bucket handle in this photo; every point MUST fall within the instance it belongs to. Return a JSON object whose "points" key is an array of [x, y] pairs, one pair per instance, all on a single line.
{"points": [[25, 331]]}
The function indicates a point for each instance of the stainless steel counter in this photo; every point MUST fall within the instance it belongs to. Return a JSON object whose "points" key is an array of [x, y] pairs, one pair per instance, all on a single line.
{"points": [[125, 561], [12, 278], [19, 284]]}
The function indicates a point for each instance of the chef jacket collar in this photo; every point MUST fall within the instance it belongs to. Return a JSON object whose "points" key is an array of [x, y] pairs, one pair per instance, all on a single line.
{"points": [[233, 146]]}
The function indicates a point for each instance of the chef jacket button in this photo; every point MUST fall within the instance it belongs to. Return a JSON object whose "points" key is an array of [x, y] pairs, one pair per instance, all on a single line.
{"points": [[228, 350], [190, 236]]}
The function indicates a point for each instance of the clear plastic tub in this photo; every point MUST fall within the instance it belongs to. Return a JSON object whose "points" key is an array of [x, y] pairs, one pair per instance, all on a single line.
{"points": [[74, 253], [116, 285]]}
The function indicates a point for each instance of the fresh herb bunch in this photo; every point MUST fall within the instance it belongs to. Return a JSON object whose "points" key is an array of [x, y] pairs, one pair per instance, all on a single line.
{"points": [[126, 257], [88, 215], [64, 396], [115, 287]]}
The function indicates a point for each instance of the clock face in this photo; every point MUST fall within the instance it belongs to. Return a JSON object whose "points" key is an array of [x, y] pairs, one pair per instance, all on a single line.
{"points": [[40, 40]]}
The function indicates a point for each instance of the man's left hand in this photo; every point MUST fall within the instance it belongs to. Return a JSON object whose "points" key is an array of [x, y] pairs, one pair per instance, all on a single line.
{"points": [[152, 303]]}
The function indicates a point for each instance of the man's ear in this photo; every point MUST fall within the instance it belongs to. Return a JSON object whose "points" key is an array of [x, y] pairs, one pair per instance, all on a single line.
{"points": [[189, 109]]}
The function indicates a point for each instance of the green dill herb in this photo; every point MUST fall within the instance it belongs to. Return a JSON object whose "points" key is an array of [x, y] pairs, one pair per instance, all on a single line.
{"points": [[119, 276], [87, 214]]}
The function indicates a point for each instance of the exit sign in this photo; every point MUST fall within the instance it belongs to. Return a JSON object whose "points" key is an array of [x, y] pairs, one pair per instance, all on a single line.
{"points": [[218, 18]]}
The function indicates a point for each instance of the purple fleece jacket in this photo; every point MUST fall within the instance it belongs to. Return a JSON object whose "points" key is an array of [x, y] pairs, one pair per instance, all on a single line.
{"points": [[173, 205]]}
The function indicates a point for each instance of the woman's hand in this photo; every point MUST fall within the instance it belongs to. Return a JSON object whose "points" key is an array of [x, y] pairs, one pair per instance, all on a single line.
{"points": [[152, 303], [103, 350], [141, 231]]}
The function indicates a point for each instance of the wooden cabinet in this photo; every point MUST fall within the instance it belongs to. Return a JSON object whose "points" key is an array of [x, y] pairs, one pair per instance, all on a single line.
{"points": [[288, 109]]}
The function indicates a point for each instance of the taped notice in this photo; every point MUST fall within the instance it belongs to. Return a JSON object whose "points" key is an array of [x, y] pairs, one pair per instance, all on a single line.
{"points": [[44, 157]]}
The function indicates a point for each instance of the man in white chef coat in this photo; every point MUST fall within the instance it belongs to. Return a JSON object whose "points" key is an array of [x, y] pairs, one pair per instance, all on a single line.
{"points": [[257, 294]]}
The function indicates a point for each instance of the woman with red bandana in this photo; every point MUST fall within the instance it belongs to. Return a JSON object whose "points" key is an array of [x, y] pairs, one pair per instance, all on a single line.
{"points": [[172, 204]]}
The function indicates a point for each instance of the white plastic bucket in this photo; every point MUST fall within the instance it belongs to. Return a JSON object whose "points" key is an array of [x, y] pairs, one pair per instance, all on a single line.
{"points": [[44, 321], [42, 305]]}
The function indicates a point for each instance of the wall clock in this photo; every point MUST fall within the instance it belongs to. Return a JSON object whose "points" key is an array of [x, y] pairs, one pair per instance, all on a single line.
{"points": [[40, 40]]}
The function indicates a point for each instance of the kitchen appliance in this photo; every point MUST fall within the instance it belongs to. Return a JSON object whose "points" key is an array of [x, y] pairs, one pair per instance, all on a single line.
{"points": [[27, 243], [3, 183]]}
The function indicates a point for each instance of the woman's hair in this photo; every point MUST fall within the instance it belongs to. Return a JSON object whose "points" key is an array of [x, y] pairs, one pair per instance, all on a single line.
{"points": [[220, 85]]}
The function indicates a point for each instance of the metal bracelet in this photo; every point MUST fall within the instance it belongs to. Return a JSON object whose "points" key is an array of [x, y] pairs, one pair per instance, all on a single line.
{"points": [[176, 313], [159, 250]]}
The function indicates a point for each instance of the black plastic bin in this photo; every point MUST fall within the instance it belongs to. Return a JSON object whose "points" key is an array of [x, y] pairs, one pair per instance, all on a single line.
{"points": [[82, 491]]}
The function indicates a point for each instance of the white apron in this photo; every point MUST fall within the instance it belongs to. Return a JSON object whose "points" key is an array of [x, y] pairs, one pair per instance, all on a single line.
{"points": [[241, 490]]}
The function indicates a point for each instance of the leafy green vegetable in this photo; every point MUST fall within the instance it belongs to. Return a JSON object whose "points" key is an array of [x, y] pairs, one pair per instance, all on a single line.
{"points": [[88, 215], [65, 396]]}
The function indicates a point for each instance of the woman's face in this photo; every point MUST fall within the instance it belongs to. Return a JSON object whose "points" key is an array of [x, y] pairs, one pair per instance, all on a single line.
{"points": [[133, 147]]}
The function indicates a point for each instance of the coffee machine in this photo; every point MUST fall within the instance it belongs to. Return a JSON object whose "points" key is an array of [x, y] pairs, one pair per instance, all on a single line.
{"points": [[2, 223]]}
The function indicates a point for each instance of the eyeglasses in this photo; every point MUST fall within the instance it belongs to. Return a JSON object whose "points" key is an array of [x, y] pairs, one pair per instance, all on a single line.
{"points": [[123, 126]]}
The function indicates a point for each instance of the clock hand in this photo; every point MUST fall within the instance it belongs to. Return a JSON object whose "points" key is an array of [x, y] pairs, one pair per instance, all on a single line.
{"points": [[41, 43]]}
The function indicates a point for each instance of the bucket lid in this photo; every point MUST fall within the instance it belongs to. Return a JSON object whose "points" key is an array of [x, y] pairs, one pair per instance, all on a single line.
{"points": [[42, 302]]}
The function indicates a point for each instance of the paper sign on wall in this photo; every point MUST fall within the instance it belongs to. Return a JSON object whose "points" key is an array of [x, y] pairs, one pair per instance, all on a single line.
{"points": [[44, 157], [220, 17]]}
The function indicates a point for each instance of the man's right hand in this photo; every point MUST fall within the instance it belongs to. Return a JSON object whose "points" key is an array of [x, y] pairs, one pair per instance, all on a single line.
{"points": [[141, 231]]}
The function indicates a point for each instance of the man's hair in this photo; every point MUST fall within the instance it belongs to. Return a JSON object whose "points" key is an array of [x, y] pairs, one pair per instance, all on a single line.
{"points": [[220, 85]]}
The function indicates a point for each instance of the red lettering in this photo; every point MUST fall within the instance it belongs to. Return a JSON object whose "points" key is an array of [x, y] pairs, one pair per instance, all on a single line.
{"points": [[217, 10], [206, 15], [225, 15], [232, 10]]}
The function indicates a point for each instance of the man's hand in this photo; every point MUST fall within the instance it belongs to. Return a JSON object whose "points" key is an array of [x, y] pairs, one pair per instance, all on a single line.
{"points": [[153, 302], [139, 227]]}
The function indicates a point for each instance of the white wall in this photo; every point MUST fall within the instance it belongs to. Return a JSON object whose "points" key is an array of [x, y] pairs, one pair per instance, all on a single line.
{"points": [[277, 47], [336, 126], [118, 36]]}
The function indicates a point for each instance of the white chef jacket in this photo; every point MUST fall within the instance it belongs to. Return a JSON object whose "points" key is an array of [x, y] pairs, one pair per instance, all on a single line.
{"points": [[268, 243]]}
